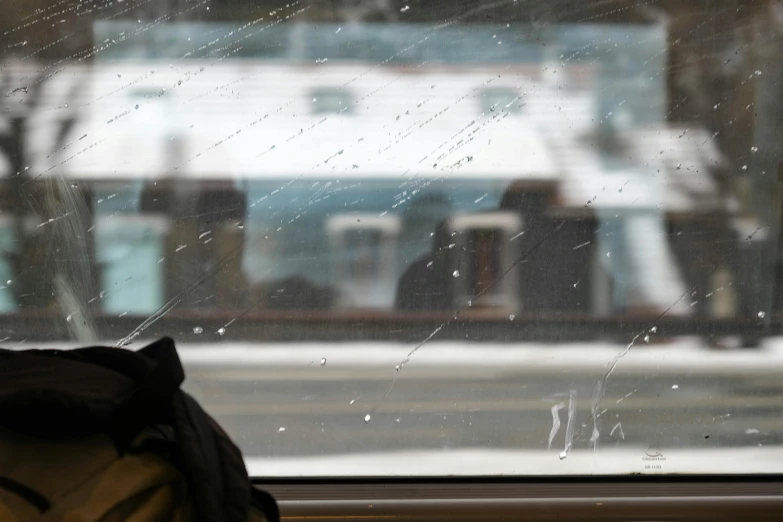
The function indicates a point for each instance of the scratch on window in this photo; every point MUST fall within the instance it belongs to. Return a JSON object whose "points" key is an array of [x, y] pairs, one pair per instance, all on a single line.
{"points": [[555, 423], [619, 426]]}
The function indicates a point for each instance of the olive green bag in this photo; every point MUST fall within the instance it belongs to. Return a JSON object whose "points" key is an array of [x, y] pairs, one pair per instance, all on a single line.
{"points": [[106, 434]]}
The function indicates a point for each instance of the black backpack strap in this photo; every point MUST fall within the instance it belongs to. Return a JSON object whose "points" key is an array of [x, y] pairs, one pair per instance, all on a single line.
{"points": [[213, 465], [150, 400], [236, 484], [265, 503], [192, 456], [40, 502]]}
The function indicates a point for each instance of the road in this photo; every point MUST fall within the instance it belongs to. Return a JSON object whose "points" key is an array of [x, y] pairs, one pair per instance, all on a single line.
{"points": [[288, 400]]}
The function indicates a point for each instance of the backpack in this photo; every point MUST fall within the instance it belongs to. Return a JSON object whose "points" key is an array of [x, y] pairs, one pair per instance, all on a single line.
{"points": [[105, 434]]}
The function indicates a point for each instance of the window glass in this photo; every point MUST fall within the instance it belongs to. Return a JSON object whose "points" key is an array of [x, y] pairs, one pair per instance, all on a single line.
{"points": [[331, 101], [399, 237], [501, 100]]}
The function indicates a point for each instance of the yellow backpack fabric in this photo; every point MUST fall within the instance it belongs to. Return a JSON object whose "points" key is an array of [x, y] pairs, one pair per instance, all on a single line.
{"points": [[66, 457]]}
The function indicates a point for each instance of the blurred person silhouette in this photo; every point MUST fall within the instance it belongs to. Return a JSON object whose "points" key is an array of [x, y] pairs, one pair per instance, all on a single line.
{"points": [[424, 285], [552, 276]]}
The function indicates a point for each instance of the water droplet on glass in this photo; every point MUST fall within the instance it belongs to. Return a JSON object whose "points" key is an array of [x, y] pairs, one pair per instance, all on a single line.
{"points": [[744, 167], [512, 317], [757, 73], [754, 149], [352, 401], [608, 254], [367, 418], [323, 361], [405, 8], [281, 429], [647, 338], [397, 368], [455, 274], [675, 387], [221, 331], [8, 282], [654, 329], [198, 330], [563, 455], [69, 318], [240, 225], [761, 314], [136, 107]]}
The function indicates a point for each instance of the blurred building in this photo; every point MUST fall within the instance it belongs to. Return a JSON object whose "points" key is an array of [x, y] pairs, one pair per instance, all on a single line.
{"points": [[273, 140]]}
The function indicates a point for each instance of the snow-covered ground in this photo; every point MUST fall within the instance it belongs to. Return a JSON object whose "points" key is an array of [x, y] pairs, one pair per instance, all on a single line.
{"points": [[682, 354], [609, 461], [300, 408]]}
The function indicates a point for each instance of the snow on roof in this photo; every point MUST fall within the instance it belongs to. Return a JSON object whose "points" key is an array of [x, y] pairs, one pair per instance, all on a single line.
{"points": [[683, 158], [660, 166], [254, 119]]}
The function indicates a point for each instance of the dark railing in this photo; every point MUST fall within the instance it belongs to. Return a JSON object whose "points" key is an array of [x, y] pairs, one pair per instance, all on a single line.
{"points": [[206, 326]]}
